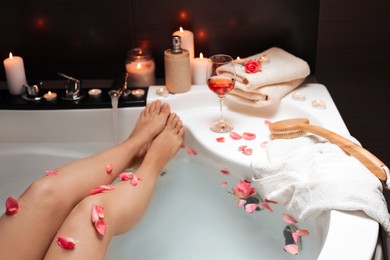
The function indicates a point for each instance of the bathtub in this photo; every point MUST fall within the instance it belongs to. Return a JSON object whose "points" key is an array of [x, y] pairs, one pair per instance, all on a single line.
{"points": [[190, 216]]}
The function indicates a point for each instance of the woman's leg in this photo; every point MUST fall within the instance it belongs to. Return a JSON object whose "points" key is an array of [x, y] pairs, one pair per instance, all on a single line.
{"points": [[123, 207], [48, 201]]}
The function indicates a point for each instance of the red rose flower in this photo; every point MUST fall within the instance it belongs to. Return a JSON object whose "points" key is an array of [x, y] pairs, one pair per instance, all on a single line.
{"points": [[252, 66]]}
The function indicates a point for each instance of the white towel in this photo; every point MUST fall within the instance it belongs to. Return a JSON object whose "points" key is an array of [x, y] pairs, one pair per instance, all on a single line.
{"points": [[309, 177], [279, 76]]}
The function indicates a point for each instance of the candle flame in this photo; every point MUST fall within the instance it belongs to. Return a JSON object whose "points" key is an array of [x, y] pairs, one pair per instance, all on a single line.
{"points": [[10, 55], [49, 92], [138, 66], [238, 58], [201, 55], [181, 29]]}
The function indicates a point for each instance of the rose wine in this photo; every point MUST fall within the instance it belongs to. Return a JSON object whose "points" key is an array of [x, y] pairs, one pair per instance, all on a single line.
{"points": [[220, 85]]}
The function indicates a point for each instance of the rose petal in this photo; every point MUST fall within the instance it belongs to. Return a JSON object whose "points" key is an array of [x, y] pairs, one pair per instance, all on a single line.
{"points": [[101, 188], [264, 144], [135, 180], [250, 208], [191, 151], [240, 203], [51, 172], [289, 219], [235, 136], [109, 168], [265, 205], [303, 232], [97, 213], [224, 183], [11, 205], [66, 242], [220, 139], [267, 122], [291, 249], [242, 148], [295, 236], [247, 151], [270, 201], [100, 226], [225, 172], [125, 176], [248, 136]]}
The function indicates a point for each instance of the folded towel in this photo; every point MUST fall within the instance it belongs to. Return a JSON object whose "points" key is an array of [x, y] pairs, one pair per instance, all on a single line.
{"points": [[263, 96], [308, 176]]}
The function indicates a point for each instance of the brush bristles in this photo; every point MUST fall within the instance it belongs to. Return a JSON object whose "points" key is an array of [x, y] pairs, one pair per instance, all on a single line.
{"points": [[287, 135]]}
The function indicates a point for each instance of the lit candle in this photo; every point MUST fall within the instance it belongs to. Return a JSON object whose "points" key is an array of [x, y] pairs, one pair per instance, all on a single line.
{"points": [[138, 92], [187, 41], [321, 104], [199, 68], [162, 92], [50, 96], [95, 92], [140, 67], [298, 96], [14, 71]]}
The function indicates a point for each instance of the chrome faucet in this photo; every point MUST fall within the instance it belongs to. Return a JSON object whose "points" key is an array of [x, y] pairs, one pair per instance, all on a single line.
{"points": [[32, 92], [122, 90], [72, 88]]}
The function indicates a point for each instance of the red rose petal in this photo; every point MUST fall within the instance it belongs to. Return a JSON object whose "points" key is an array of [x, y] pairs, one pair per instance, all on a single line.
{"points": [[220, 139], [51, 172], [109, 168], [270, 201], [100, 226], [224, 183], [11, 205], [66, 242], [235, 136], [101, 188], [266, 206], [191, 151], [225, 172], [303, 232], [247, 151], [289, 219], [242, 148], [248, 136], [125, 176]]}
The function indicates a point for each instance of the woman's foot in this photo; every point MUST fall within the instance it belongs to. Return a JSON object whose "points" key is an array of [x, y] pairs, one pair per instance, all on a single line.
{"points": [[164, 146], [150, 123]]}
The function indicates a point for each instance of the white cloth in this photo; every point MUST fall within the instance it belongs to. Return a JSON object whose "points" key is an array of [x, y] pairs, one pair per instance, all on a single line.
{"points": [[279, 76], [309, 177]]}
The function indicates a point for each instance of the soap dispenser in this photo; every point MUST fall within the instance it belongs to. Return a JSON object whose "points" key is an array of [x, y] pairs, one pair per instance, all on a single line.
{"points": [[177, 67]]}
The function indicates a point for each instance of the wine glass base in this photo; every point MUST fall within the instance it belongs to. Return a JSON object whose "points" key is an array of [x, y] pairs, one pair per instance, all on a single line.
{"points": [[221, 127]]}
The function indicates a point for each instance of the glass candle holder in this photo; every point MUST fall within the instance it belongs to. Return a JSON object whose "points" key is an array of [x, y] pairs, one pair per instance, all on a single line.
{"points": [[140, 67]]}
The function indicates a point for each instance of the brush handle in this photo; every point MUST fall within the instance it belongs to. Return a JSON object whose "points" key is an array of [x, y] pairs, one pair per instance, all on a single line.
{"points": [[364, 156]]}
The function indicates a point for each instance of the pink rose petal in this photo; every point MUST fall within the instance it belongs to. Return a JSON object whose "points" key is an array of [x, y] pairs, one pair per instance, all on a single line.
{"points": [[224, 183], [51, 172], [295, 236], [247, 151], [100, 226], [109, 168], [266, 206], [291, 249], [250, 208], [264, 144], [101, 188], [11, 205], [303, 232], [66, 242], [225, 172], [220, 139], [135, 180], [125, 176], [289, 219], [242, 148], [248, 136], [235, 136], [240, 203], [97, 213], [270, 201], [191, 151]]}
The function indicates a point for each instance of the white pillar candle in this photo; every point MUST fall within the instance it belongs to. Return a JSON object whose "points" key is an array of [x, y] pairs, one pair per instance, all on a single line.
{"points": [[199, 68], [14, 71], [141, 73], [187, 41]]}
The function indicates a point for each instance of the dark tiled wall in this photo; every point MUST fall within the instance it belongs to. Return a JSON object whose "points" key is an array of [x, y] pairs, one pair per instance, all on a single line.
{"points": [[89, 39]]}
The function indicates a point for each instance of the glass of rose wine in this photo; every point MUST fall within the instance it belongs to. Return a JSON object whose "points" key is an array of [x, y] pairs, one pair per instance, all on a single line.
{"points": [[220, 83]]}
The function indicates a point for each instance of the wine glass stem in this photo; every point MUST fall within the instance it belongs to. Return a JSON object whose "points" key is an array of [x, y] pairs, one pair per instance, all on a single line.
{"points": [[221, 119]]}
